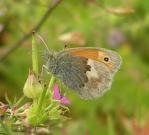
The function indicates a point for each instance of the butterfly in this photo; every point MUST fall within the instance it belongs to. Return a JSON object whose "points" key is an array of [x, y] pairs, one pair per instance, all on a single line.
{"points": [[86, 70]]}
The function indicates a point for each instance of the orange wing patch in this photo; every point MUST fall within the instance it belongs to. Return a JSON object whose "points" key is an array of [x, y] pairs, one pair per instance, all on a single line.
{"points": [[87, 53], [93, 54]]}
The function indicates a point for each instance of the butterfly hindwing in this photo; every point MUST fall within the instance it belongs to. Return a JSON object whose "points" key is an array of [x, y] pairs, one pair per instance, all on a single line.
{"points": [[99, 81]]}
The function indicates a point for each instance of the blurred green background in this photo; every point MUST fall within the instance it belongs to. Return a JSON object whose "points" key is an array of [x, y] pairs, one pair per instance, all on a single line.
{"points": [[120, 25]]}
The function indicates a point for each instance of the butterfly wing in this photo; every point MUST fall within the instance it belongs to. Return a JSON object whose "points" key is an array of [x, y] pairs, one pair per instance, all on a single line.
{"points": [[87, 71], [71, 70]]}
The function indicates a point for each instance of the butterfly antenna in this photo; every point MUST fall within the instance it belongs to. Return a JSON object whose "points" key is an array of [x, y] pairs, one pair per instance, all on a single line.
{"points": [[44, 43]]}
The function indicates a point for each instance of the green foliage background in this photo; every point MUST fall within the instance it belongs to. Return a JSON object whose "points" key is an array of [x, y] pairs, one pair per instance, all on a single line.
{"points": [[129, 96]]}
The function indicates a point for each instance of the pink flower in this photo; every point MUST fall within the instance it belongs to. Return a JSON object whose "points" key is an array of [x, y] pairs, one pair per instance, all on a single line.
{"points": [[58, 96]]}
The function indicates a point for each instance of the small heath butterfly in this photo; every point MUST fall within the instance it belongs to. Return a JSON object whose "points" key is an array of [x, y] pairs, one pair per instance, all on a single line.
{"points": [[88, 71]]}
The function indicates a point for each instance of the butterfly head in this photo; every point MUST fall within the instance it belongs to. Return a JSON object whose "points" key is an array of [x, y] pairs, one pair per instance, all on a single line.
{"points": [[50, 58]]}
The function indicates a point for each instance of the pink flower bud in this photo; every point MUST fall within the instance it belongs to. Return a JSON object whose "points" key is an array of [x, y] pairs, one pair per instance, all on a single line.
{"points": [[32, 88]]}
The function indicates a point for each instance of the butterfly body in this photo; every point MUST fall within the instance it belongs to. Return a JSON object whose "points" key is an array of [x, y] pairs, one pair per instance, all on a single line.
{"points": [[88, 71]]}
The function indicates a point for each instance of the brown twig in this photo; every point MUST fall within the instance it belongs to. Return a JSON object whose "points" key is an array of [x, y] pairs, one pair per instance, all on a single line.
{"points": [[16, 45]]}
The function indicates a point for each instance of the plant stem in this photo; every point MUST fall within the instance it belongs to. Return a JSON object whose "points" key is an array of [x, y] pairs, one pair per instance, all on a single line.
{"points": [[20, 101], [6, 130], [51, 84], [44, 93], [110, 126], [34, 56], [41, 99]]}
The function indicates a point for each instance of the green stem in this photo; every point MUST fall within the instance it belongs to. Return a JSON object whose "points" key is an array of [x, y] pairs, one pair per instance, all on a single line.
{"points": [[110, 125], [6, 130], [34, 56], [20, 101], [44, 93], [52, 104], [49, 107], [51, 84], [41, 99]]}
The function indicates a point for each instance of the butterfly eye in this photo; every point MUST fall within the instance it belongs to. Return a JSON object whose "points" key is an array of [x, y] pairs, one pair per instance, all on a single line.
{"points": [[106, 59]]}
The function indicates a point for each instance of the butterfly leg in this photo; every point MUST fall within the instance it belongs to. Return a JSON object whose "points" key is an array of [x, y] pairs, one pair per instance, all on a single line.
{"points": [[44, 68], [42, 74]]}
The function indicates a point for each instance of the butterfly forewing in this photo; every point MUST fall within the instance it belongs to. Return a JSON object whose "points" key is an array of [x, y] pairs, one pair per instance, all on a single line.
{"points": [[71, 70]]}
